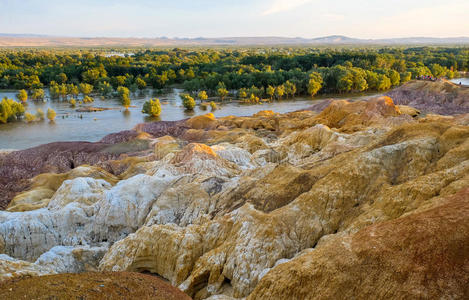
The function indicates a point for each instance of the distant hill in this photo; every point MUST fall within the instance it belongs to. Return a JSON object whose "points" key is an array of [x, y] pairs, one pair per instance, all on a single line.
{"points": [[32, 40]]}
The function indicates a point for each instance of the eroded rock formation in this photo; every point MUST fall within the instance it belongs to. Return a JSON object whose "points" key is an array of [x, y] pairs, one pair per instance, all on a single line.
{"points": [[308, 200], [441, 97]]}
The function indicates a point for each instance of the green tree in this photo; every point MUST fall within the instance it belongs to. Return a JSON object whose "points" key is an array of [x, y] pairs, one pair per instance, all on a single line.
{"points": [[72, 90], [315, 83], [40, 114], [37, 94], [85, 88], [63, 91], [10, 110], [54, 90], [92, 76], [406, 76], [124, 95], [88, 99], [105, 88], [438, 70], [395, 77], [203, 95], [384, 83], [152, 107], [213, 105], [270, 91], [141, 84], [242, 93], [253, 99], [222, 93], [61, 78], [51, 114], [22, 96], [188, 101], [29, 117], [280, 91], [290, 88]]}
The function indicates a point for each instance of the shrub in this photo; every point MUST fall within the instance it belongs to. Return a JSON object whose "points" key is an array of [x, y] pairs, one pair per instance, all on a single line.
{"points": [[40, 114], [254, 99], [72, 102], [188, 101], [37, 94], [152, 107], [213, 105], [222, 93], [87, 99], [22, 96], [51, 114], [29, 117], [10, 110], [203, 95], [124, 95], [85, 88]]}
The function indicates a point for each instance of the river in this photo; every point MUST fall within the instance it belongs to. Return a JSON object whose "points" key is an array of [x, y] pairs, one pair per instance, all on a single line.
{"points": [[92, 126], [463, 81]]}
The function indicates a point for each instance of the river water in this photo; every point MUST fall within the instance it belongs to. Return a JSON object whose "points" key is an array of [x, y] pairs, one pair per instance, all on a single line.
{"points": [[70, 125], [463, 81]]}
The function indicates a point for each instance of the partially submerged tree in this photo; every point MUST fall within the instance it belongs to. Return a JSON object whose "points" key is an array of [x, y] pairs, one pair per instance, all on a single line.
{"points": [[22, 96], [213, 105], [188, 101], [85, 88], [124, 95], [51, 114], [87, 99], [152, 107], [40, 114], [10, 110], [203, 95], [29, 117], [37, 94]]}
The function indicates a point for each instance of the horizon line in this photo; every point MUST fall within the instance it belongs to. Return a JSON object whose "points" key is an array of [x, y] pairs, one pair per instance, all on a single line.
{"points": [[19, 35]]}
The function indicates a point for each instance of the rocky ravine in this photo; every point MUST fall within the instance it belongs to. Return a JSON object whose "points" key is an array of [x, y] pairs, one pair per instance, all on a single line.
{"points": [[360, 200]]}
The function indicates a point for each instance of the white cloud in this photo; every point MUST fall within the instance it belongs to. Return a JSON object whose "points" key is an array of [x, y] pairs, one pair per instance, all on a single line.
{"points": [[284, 5]]}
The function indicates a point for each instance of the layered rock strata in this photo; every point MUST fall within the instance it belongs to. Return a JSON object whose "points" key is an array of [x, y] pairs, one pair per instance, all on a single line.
{"points": [[307, 200]]}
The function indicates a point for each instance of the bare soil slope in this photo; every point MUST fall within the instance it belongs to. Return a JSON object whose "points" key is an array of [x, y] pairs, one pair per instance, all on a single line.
{"points": [[89, 286]]}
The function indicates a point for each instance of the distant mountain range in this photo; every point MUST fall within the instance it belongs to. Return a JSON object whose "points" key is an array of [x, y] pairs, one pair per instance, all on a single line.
{"points": [[34, 40]]}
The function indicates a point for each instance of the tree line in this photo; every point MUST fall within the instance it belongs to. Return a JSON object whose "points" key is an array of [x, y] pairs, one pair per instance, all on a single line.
{"points": [[249, 74]]}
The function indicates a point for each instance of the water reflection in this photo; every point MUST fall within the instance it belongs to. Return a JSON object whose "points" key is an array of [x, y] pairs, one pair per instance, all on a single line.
{"points": [[126, 113]]}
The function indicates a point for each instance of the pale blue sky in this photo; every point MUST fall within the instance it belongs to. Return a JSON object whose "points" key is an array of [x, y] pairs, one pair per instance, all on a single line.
{"points": [[217, 18]]}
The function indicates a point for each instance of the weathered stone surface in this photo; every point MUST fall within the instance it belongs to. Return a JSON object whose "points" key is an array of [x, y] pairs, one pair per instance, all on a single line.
{"points": [[220, 203], [44, 186], [353, 116], [421, 255], [68, 259], [11, 268], [441, 97], [346, 182], [17, 167]]}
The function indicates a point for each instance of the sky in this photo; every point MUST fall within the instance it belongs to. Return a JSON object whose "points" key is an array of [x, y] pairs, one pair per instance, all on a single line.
{"points": [[224, 18]]}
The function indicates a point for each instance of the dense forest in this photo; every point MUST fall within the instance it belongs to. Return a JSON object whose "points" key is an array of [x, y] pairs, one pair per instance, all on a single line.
{"points": [[243, 73]]}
